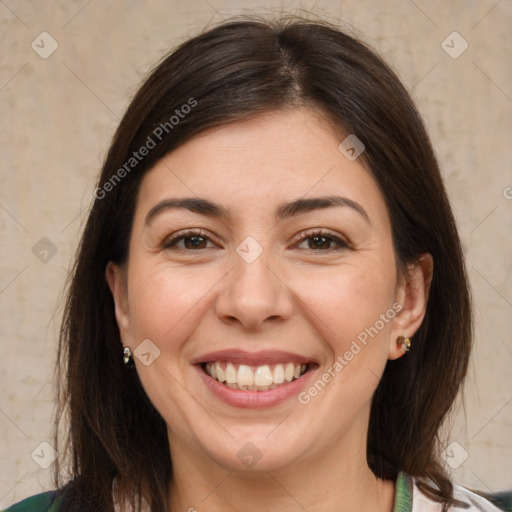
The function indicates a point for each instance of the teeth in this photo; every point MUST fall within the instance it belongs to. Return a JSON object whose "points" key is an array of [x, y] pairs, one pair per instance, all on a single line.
{"points": [[220, 372], [278, 374], [289, 371], [261, 378], [230, 374], [245, 376]]}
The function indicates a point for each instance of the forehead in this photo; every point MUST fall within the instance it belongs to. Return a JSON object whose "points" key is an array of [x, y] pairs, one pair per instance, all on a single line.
{"points": [[260, 162]]}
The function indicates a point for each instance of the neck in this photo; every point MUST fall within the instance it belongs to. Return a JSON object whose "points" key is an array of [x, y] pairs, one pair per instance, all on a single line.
{"points": [[334, 481]]}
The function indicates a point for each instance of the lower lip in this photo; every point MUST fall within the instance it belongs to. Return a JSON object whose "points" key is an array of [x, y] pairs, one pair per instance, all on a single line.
{"points": [[254, 399]]}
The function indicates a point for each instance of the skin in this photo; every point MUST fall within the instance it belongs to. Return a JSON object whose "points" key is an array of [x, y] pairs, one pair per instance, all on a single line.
{"points": [[293, 297]]}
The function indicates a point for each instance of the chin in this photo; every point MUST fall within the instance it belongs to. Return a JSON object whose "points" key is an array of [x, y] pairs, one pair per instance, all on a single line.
{"points": [[252, 450]]}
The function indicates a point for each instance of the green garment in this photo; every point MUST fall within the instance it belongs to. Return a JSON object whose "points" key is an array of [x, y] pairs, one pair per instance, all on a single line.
{"points": [[44, 502]]}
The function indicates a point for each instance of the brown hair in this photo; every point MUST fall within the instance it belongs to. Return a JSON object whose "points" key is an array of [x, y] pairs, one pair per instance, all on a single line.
{"points": [[228, 73]]}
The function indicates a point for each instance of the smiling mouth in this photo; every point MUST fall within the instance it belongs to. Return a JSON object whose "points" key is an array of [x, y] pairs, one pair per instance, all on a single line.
{"points": [[254, 378]]}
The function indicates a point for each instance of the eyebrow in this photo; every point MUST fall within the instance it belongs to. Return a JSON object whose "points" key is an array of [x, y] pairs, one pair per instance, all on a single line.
{"points": [[284, 211]]}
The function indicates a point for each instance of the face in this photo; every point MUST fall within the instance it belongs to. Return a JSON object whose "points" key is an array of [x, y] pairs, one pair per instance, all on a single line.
{"points": [[271, 287]]}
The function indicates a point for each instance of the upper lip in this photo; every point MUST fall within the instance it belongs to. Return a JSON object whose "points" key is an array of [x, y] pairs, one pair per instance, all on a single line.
{"points": [[252, 358]]}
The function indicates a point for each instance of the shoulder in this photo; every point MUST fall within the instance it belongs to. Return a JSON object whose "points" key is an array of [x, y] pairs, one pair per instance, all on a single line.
{"points": [[501, 501], [467, 500], [409, 498], [43, 502]]}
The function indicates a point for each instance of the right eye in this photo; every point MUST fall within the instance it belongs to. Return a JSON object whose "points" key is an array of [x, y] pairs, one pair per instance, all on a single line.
{"points": [[193, 240]]}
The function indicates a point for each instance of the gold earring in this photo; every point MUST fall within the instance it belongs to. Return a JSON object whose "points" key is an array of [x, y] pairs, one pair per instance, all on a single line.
{"points": [[406, 342], [127, 357]]}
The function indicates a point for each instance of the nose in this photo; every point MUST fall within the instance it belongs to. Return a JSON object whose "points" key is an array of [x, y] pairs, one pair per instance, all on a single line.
{"points": [[254, 293]]}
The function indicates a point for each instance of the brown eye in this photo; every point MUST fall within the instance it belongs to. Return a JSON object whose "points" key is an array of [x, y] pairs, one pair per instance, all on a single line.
{"points": [[192, 240], [322, 242], [195, 242]]}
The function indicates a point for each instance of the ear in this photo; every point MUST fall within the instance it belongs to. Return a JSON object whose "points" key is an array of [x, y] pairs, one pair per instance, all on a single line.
{"points": [[412, 293], [115, 276]]}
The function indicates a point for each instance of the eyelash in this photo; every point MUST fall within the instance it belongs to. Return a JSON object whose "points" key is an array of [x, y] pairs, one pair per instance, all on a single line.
{"points": [[342, 245]]}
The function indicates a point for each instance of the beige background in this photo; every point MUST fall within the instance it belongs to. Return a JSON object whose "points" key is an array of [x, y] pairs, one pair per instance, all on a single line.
{"points": [[59, 113]]}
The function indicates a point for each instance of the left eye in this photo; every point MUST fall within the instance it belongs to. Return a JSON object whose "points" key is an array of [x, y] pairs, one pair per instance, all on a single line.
{"points": [[320, 240]]}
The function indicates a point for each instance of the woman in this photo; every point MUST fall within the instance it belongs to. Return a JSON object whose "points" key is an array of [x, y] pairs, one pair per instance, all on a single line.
{"points": [[269, 307]]}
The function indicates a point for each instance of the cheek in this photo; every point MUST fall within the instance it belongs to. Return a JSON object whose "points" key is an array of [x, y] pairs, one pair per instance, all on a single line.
{"points": [[344, 306], [345, 301], [167, 304]]}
